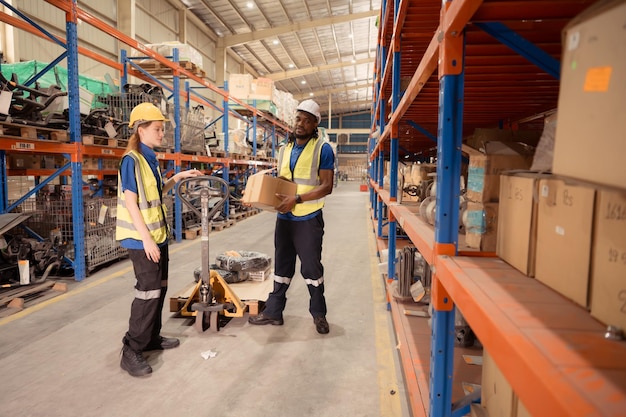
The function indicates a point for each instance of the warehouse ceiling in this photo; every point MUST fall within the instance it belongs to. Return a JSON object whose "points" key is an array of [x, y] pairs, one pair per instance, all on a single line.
{"points": [[319, 49]]}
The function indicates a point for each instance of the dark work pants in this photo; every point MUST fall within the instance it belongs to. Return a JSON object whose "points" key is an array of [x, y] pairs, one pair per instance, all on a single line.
{"points": [[303, 240], [146, 310]]}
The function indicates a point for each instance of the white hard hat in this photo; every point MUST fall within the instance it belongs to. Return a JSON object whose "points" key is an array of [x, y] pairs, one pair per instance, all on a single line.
{"points": [[311, 107]]}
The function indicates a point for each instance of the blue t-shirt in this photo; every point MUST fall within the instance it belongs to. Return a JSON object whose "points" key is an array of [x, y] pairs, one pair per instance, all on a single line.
{"points": [[327, 161], [129, 182]]}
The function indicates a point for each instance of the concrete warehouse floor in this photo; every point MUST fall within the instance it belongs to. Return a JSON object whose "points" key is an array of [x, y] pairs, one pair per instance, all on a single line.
{"points": [[61, 357]]}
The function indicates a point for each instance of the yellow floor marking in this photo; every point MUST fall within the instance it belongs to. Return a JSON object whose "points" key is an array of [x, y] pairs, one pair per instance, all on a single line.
{"points": [[387, 380], [82, 288]]}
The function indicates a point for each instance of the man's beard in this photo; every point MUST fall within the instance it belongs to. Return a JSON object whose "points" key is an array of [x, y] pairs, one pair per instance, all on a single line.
{"points": [[303, 136]]}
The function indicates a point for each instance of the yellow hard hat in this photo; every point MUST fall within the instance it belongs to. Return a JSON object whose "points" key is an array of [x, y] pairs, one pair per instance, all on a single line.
{"points": [[145, 112]]}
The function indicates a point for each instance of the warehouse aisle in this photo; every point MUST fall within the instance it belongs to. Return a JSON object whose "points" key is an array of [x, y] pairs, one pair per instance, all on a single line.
{"points": [[61, 357]]}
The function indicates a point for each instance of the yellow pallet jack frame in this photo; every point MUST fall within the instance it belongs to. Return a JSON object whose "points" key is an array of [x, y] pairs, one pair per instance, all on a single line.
{"points": [[211, 297]]}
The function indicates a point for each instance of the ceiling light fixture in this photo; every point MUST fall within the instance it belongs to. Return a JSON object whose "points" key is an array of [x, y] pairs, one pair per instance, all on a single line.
{"points": [[275, 41], [250, 5], [291, 66], [303, 82], [311, 94]]}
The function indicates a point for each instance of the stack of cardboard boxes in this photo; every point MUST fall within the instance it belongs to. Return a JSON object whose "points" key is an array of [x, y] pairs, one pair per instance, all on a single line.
{"points": [[483, 190], [263, 93], [568, 230]]}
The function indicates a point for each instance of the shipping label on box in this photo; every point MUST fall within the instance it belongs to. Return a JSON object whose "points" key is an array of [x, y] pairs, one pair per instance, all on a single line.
{"points": [[517, 220], [608, 276], [589, 143], [481, 226], [564, 236], [261, 190]]}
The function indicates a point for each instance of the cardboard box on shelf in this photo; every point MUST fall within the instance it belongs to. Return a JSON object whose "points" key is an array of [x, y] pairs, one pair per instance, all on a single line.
{"points": [[239, 85], [517, 220], [261, 190], [564, 236], [592, 97], [483, 174], [262, 89], [482, 136], [481, 226], [497, 395], [608, 274], [90, 163], [24, 161]]}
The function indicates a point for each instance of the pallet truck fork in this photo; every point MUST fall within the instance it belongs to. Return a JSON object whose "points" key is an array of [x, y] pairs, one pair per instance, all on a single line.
{"points": [[211, 297]]}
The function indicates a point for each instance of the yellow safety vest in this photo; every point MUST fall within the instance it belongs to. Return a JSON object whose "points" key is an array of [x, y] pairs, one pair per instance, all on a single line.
{"points": [[149, 201], [305, 173]]}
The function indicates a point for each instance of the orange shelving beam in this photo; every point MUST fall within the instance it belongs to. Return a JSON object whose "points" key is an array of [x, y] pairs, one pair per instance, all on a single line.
{"points": [[421, 234], [552, 352]]}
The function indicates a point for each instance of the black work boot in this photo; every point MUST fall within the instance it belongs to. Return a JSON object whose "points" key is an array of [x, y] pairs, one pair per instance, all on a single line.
{"points": [[134, 363], [261, 319], [163, 343], [321, 325]]}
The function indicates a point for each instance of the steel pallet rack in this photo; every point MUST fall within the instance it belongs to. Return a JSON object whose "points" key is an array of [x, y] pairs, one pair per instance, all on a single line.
{"points": [[75, 149], [557, 363]]}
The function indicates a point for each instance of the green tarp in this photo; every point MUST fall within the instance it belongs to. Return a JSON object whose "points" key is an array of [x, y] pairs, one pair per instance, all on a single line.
{"points": [[56, 76]]}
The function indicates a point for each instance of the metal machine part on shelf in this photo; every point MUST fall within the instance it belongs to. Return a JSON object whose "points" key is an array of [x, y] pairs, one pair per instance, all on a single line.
{"points": [[43, 258], [28, 105], [51, 215]]}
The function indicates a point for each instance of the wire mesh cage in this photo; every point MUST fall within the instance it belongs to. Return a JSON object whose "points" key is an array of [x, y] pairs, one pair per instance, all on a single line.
{"points": [[117, 107], [52, 218], [100, 244], [192, 129], [49, 218]]}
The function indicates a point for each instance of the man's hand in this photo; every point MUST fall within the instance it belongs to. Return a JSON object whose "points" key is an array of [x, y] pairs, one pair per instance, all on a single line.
{"points": [[287, 203]]}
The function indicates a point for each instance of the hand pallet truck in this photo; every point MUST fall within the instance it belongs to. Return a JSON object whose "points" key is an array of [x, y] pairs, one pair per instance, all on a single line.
{"points": [[211, 297]]}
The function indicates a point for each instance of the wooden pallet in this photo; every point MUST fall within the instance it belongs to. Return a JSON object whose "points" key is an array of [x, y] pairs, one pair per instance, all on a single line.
{"points": [[217, 226], [238, 216], [159, 69], [251, 212], [192, 233], [104, 141], [19, 298], [33, 132], [249, 292]]}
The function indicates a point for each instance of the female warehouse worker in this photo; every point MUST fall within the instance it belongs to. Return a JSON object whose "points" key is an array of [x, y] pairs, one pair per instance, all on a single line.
{"points": [[142, 229]]}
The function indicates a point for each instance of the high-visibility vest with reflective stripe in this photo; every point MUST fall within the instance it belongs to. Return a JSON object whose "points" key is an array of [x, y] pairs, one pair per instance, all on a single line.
{"points": [[305, 173], [149, 201]]}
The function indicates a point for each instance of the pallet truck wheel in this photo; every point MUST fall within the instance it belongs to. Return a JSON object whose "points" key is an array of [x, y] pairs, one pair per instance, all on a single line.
{"points": [[202, 320], [213, 321]]}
